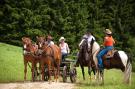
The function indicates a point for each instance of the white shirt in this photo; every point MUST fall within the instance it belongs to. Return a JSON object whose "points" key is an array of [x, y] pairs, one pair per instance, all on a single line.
{"points": [[64, 48], [89, 38]]}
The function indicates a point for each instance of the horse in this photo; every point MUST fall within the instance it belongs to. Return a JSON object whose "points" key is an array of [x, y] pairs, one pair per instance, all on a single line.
{"points": [[118, 59], [40, 41], [84, 58], [29, 56], [51, 56]]}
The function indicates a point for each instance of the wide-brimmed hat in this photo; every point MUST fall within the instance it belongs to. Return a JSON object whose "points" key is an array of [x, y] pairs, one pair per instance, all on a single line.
{"points": [[108, 31], [61, 38]]}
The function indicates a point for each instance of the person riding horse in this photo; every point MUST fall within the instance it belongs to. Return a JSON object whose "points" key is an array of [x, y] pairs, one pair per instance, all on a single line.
{"points": [[88, 36], [108, 43]]}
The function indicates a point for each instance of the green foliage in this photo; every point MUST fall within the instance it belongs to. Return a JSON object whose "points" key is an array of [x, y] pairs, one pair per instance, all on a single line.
{"points": [[68, 18]]}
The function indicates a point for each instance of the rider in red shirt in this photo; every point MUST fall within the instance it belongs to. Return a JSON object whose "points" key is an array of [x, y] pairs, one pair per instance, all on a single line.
{"points": [[108, 43]]}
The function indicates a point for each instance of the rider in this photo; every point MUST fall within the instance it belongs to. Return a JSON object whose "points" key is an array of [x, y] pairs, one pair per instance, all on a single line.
{"points": [[49, 40], [108, 43], [64, 48], [87, 36]]}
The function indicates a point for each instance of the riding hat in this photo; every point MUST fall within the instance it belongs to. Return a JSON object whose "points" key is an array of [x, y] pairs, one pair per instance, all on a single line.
{"points": [[108, 31], [61, 38]]}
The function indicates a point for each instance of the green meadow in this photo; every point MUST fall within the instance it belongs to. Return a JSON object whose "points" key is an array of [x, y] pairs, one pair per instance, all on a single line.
{"points": [[11, 63], [12, 70]]}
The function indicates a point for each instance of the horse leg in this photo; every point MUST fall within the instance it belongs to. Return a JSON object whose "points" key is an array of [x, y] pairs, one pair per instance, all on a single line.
{"points": [[39, 71], [58, 70], [89, 72], [42, 71], [49, 71], [102, 76], [25, 70], [33, 70], [83, 72], [94, 72], [54, 71]]}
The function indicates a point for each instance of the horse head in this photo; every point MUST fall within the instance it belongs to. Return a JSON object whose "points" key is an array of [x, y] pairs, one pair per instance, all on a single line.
{"points": [[84, 50], [40, 41], [28, 46], [26, 41]]}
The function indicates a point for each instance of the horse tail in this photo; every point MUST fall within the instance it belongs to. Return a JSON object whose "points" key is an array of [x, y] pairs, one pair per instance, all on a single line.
{"points": [[128, 71]]}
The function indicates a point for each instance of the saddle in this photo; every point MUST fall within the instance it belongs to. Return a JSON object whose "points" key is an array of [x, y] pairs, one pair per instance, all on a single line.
{"points": [[107, 57], [110, 53]]}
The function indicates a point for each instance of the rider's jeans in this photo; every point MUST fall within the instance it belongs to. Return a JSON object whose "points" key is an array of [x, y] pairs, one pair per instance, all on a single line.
{"points": [[63, 56], [101, 54]]}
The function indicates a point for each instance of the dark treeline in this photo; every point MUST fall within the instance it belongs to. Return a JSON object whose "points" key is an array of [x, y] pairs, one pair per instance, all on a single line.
{"points": [[68, 18]]}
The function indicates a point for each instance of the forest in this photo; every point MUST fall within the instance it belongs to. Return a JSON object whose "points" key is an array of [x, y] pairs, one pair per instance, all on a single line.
{"points": [[69, 18]]}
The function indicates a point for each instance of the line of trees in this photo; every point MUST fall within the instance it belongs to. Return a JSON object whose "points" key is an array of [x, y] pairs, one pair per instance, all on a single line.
{"points": [[68, 18]]}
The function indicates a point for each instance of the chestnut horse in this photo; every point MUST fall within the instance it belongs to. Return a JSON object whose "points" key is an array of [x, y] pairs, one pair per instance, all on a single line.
{"points": [[51, 57], [40, 41], [29, 55], [118, 60]]}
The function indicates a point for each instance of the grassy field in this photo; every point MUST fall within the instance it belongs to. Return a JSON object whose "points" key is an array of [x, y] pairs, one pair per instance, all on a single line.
{"points": [[11, 63], [12, 70], [113, 80]]}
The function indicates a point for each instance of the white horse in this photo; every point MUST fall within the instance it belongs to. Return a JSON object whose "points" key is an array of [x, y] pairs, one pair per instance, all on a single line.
{"points": [[119, 60]]}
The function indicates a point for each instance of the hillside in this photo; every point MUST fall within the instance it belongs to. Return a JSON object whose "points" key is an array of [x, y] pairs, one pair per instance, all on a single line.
{"points": [[11, 63]]}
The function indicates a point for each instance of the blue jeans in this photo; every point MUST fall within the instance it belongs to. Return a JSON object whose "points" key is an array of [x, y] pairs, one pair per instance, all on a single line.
{"points": [[64, 55], [101, 54]]}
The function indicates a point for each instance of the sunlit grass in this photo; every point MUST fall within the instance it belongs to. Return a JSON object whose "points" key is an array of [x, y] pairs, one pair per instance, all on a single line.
{"points": [[11, 63], [113, 80]]}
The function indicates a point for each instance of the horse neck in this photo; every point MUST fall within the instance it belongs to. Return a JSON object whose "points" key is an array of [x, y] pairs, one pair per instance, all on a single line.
{"points": [[95, 47]]}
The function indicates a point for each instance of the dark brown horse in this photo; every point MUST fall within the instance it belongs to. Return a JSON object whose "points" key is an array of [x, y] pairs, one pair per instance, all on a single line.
{"points": [[29, 55], [84, 58], [118, 60]]}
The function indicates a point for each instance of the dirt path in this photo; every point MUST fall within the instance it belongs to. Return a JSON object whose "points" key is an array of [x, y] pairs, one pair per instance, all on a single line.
{"points": [[37, 85]]}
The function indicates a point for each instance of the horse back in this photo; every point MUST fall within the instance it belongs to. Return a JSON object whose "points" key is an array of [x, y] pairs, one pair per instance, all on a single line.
{"points": [[56, 53], [115, 61]]}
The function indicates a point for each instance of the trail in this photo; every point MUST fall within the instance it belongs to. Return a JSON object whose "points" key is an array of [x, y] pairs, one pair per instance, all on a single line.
{"points": [[37, 85]]}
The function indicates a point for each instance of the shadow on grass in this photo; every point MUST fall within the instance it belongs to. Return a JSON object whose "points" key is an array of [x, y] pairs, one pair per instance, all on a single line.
{"points": [[94, 84]]}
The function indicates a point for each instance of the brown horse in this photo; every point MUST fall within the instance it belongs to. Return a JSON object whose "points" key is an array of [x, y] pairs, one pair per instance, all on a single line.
{"points": [[84, 58], [118, 60], [29, 55], [40, 41], [51, 57]]}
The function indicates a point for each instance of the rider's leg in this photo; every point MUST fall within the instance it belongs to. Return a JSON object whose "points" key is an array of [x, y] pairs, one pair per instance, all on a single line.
{"points": [[63, 56], [99, 57]]}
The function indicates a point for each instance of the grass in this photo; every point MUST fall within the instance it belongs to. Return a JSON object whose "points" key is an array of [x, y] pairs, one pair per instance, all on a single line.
{"points": [[11, 63], [12, 70], [113, 80]]}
